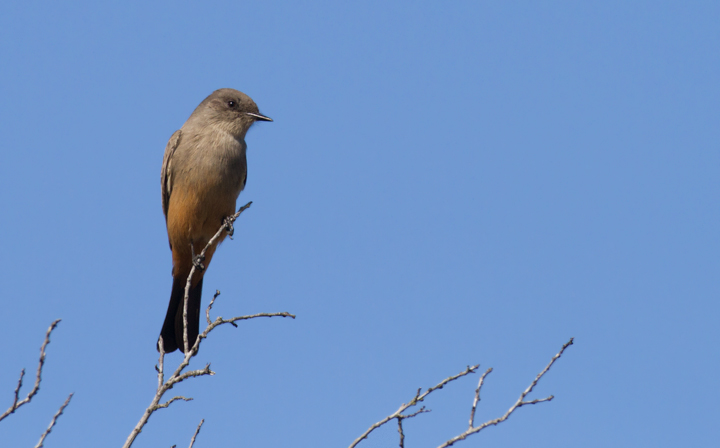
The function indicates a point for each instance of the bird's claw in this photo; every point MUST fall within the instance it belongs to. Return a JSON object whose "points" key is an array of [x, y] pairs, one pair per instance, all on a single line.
{"points": [[197, 262], [229, 228]]}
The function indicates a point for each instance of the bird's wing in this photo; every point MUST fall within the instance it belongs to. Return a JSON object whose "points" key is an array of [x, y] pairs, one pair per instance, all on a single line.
{"points": [[166, 174]]}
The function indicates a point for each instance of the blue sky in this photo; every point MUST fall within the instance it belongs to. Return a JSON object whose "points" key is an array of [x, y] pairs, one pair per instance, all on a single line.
{"points": [[444, 184]]}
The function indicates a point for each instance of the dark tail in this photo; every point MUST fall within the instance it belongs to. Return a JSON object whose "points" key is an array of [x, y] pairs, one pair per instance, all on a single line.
{"points": [[172, 330]]}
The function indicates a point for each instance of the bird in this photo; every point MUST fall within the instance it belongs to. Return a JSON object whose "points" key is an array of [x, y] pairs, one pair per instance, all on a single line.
{"points": [[204, 170]]}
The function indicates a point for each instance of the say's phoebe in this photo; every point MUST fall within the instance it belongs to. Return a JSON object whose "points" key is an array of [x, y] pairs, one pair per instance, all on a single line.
{"points": [[203, 172]]}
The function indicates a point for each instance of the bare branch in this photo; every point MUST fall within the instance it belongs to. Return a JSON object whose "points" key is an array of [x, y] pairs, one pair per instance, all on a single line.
{"points": [[180, 374], [53, 421], [16, 404], [519, 403], [472, 429], [197, 431], [418, 398]]}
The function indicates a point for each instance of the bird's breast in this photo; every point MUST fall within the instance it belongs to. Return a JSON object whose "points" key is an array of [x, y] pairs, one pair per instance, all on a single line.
{"points": [[220, 163]]}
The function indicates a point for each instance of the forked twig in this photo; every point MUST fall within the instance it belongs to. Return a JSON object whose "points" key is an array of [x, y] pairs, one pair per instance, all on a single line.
{"points": [[16, 404], [472, 429], [519, 403]]}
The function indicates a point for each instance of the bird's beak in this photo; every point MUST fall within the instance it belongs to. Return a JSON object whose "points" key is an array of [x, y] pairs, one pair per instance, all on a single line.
{"points": [[259, 117]]}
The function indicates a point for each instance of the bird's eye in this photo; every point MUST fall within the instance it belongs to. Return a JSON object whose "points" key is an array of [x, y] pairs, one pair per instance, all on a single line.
{"points": [[231, 103]]}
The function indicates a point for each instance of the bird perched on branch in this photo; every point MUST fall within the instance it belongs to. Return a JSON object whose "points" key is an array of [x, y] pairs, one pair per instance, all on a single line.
{"points": [[203, 172]]}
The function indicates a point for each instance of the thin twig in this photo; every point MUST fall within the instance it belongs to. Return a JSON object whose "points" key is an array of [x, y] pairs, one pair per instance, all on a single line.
{"points": [[422, 410], [53, 421], [402, 435], [173, 399], [17, 393], [207, 311], [16, 404], [477, 397], [401, 417], [197, 431]]}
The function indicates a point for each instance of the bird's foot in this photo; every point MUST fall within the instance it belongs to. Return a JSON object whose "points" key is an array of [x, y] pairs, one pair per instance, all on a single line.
{"points": [[229, 228], [197, 259], [198, 262]]}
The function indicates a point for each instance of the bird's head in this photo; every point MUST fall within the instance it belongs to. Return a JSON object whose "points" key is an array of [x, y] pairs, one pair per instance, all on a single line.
{"points": [[230, 110]]}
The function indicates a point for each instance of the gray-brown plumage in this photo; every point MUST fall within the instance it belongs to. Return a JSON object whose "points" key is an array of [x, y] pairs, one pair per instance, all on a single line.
{"points": [[204, 170]]}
